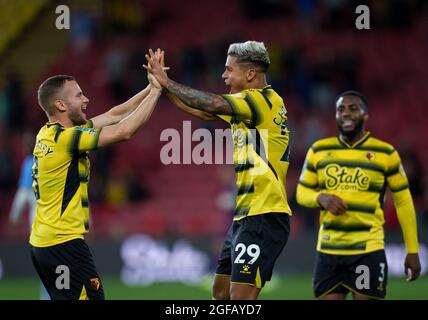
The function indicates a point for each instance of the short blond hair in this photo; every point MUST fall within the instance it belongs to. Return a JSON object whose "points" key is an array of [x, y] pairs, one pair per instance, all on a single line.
{"points": [[49, 90]]}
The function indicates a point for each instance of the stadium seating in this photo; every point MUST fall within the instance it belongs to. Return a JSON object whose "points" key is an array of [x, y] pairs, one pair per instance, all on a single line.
{"points": [[183, 197]]}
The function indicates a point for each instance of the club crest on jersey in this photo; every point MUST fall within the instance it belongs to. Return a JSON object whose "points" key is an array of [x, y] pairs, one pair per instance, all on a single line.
{"points": [[370, 155], [42, 148], [95, 283], [346, 179]]}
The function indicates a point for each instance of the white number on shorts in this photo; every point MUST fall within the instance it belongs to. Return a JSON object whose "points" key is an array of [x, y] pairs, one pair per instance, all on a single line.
{"points": [[382, 271], [253, 251]]}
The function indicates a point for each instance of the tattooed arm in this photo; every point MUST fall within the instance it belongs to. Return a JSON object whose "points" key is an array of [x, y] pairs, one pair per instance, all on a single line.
{"points": [[203, 101], [194, 112]]}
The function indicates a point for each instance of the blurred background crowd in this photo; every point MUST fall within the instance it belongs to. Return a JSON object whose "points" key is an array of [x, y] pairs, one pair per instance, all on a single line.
{"points": [[316, 52]]}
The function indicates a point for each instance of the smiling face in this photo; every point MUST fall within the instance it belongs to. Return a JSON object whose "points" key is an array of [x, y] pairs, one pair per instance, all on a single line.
{"points": [[75, 102], [350, 116], [235, 75]]}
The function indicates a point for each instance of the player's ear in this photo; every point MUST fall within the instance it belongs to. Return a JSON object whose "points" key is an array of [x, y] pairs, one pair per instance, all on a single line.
{"points": [[60, 106], [251, 74], [366, 116]]}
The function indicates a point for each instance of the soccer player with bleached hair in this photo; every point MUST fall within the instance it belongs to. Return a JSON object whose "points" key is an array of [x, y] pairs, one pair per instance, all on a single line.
{"points": [[258, 121]]}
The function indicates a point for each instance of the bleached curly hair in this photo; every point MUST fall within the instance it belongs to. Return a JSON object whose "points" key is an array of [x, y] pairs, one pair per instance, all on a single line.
{"points": [[251, 52]]}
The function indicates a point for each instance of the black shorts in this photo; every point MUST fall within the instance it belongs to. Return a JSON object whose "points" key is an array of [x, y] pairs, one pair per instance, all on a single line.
{"points": [[252, 246], [366, 274], [67, 271]]}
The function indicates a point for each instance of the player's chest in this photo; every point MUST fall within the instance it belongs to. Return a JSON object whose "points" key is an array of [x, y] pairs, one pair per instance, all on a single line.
{"points": [[351, 170]]}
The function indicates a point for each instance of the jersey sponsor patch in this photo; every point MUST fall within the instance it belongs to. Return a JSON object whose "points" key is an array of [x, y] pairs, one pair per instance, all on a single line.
{"points": [[346, 179], [91, 131]]}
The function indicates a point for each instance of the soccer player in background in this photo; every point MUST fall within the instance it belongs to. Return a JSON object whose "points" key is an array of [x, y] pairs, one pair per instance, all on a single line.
{"points": [[346, 177], [61, 176], [258, 120]]}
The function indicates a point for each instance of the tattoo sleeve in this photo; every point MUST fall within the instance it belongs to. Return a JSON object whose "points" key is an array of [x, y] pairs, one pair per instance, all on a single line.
{"points": [[205, 101]]}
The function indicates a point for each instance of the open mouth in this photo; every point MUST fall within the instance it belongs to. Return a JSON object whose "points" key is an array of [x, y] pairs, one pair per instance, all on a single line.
{"points": [[347, 124]]}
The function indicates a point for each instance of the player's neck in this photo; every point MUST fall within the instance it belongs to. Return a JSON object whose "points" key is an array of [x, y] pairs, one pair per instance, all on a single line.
{"points": [[64, 121], [350, 140], [258, 83]]}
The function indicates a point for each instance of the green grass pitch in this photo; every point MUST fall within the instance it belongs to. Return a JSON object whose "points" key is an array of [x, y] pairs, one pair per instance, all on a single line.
{"points": [[292, 287]]}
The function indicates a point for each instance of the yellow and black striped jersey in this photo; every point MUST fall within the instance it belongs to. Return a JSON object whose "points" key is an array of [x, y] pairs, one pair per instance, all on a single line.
{"points": [[60, 183], [261, 151], [359, 175]]}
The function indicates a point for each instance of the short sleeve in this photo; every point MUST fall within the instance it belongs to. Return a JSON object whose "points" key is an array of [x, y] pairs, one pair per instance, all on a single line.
{"points": [[245, 106], [79, 139]]}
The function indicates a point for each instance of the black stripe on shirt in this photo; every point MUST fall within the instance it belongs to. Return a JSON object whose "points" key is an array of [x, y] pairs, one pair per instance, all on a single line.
{"points": [[382, 194], [243, 167], [74, 145], [72, 183], [255, 118], [361, 208], [58, 130], [351, 164], [260, 150], [310, 167], [232, 105], [400, 188], [346, 228], [85, 203], [330, 246], [241, 212], [386, 150], [265, 94], [245, 189], [392, 171], [316, 149], [308, 185]]}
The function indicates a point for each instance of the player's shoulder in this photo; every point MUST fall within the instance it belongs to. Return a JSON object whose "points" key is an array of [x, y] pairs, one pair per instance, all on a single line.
{"points": [[379, 145], [326, 143], [265, 89], [47, 130]]}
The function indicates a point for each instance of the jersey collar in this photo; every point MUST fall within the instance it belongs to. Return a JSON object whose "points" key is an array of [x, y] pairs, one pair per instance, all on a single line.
{"points": [[56, 123], [357, 143]]}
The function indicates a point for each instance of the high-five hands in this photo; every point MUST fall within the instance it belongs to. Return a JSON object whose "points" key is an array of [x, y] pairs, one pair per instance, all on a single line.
{"points": [[155, 66], [159, 55]]}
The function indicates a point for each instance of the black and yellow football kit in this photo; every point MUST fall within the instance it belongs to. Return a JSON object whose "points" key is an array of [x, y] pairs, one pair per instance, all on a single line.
{"points": [[261, 151], [261, 158], [60, 182], [359, 175]]}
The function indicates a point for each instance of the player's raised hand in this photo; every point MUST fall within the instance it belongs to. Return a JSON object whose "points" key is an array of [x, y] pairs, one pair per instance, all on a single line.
{"points": [[412, 266], [153, 82], [161, 54], [155, 68], [332, 203]]}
